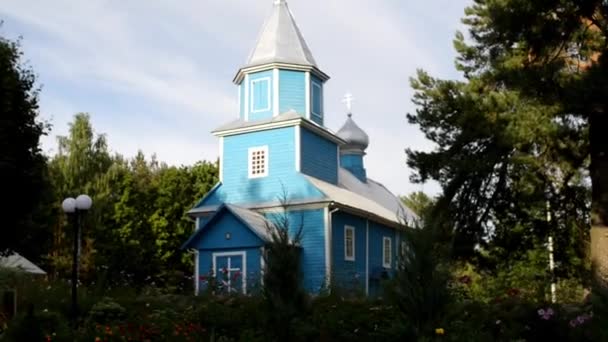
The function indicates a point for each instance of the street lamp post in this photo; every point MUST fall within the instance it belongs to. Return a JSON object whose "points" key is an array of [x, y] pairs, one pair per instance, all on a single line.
{"points": [[75, 208]]}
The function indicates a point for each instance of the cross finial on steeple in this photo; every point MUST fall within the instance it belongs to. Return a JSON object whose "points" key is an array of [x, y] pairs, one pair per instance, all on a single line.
{"points": [[348, 100]]}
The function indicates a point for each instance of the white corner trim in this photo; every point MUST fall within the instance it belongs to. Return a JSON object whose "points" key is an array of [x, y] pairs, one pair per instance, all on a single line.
{"points": [[275, 92], [221, 159], [246, 108], [353, 241], [239, 102], [367, 257], [386, 240], [250, 152], [307, 94], [196, 270], [251, 103], [243, 269], [298, 145], [327, 247]]}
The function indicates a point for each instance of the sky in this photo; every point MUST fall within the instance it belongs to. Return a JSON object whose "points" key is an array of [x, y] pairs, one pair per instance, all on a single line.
{"points": [[156, 76]]}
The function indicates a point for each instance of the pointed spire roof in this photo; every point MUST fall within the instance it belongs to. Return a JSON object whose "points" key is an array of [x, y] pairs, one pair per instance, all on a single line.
{"points": [[281, 41]]}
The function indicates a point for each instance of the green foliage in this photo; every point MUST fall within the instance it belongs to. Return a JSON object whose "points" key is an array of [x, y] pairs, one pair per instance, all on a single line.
{"points": [[133, 233], [22, 165], [419, 288], [506, 142], [107, 311], [38, 326], [420, 203], [285, 298]]}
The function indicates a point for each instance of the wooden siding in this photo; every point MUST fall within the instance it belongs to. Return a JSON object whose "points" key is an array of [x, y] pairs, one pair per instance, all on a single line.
{"points": [[266, 113], [292, 92], [319, 157]]}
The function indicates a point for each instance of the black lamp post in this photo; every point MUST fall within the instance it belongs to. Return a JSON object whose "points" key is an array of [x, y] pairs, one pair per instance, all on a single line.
{"points": [[75, 208]]}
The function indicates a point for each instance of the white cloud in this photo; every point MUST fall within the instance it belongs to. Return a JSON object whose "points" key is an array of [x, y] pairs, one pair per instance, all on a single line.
{"points": [[156, 75]]}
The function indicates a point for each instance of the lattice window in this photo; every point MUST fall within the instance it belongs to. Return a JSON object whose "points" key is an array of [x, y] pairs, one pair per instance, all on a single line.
{"points": [[258, 162]]}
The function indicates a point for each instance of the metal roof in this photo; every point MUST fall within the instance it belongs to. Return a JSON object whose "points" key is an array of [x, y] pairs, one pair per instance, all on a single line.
{"points": [[371, 197], [281, 40], [356, 138], [257, 222], [240, 123], [17, 261]]}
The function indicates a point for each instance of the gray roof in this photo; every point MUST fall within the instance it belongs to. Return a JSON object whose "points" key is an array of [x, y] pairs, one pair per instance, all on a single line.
{"points": [[257, 222], [356, 139], [281, 40], [240, 123], [371, 197], [18, 262]]}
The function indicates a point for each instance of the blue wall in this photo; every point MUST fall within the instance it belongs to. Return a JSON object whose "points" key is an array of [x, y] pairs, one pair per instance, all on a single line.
{"points": [[376, 234], [213, 235], [354, 164], [348, 275], [266, 113], [319, 157], [292, 92], [237, 187], [316, 100]]}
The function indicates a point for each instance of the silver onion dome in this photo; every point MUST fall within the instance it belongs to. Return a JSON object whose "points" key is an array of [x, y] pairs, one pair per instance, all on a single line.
{"points": [[356, 139]]}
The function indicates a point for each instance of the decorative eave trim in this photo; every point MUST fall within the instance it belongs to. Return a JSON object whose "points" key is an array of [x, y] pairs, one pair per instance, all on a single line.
{"points": [[285, 66], [280, 124]]}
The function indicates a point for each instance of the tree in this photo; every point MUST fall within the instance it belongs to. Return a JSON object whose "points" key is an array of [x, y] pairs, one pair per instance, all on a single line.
{"points": [[554, 53], [22, 164], [283, 293], [81, 161], [501, 155], [420, 203]]}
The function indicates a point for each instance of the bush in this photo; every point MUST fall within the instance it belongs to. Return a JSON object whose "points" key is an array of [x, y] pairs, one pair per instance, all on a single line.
{"points": [[38, 326]]}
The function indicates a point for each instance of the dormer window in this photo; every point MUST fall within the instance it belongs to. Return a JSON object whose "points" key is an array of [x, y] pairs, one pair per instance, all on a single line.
{"points": [[258, 162], [260, 95]]}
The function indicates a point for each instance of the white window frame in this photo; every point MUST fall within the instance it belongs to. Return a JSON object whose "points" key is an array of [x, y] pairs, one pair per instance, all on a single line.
{"points": [[251, 95], [312, 97], [390, 252], [243, 270], [346, 256], [250, 152]]}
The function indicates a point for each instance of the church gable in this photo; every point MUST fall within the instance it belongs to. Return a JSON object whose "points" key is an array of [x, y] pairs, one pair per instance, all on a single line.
{"points": [[226, 229]]}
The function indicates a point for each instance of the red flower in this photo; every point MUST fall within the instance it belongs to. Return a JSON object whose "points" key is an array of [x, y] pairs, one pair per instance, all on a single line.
{"points": [[236, 275], [203, 278]]}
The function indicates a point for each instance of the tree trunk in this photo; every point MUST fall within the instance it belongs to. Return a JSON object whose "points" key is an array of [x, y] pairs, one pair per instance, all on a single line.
{"points": [[598, 134]]}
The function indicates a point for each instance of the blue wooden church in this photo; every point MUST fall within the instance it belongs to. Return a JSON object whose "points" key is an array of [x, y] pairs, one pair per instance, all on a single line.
{"points": [[279, 144]]}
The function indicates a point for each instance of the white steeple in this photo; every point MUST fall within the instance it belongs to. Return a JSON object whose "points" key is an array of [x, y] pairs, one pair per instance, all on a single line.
{"points": [[281, 41]]}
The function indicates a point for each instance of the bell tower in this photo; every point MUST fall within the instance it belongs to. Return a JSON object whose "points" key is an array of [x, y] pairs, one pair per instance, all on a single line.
{"points": [[281, 75]]}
